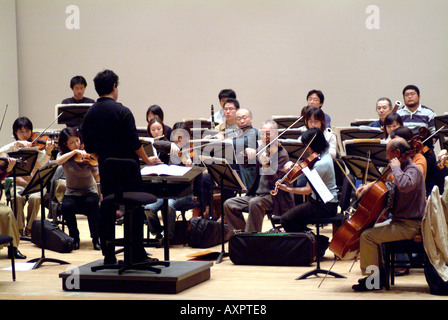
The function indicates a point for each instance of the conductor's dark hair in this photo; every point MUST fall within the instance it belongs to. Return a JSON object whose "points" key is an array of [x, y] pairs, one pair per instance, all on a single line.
{"points": [[319, 144], [104, 82], [19, 123]]}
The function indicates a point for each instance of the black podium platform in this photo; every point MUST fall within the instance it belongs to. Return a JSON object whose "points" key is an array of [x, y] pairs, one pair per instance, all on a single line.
{"points": [[179, 276]]}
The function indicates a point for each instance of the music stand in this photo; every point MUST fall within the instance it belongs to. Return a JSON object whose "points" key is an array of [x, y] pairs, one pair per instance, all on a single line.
{"points": [[294, 148], [321, 190], [361, 149], [357, 166], [284, 122], [350, 133], [226, 178], [439, 122], [38, 182], [293, 133], [72, 114], [28, 157]]}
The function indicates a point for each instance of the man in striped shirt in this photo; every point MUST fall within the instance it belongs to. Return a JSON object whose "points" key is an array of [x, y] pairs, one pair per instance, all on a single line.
{"points": [[416, 115], [413, 113]]}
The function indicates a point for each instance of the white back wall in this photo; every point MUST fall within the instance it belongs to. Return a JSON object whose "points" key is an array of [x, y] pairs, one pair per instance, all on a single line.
{"points": [[180, 54]]}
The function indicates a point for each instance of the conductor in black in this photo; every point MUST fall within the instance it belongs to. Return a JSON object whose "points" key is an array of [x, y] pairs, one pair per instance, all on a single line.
{"points": [[109, 131]]}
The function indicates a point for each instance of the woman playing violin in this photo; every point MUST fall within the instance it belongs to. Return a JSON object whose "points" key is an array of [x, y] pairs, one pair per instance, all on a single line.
{"points": [[293, 219], [22, 129], [81, 194], [180, 136]]}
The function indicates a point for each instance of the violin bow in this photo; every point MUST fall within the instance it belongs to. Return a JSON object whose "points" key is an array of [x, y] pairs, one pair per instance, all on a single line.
{"points": [[47, 128], [3, 119], [434, 133], [266, 146], [367, 168]]}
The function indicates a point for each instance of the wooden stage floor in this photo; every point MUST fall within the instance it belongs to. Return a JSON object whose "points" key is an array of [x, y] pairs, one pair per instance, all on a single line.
{"points": [[227, 281]]}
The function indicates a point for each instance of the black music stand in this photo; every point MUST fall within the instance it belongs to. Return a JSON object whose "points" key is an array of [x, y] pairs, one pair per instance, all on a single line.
{"points": [[37, 184], [316, 185], [28, 157], [284, 122], [294, 148], [439, 122], [226, 178], [293, 133], [357, 166], [361, 149], [72, 114]]}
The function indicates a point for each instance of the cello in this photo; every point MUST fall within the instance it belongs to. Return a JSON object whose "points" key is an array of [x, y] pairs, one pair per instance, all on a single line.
{"points": [[372, 206]]}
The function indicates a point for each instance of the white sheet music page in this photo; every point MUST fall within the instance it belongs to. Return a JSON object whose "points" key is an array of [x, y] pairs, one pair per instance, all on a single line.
{"points": [[165, 170], [318, 184]]}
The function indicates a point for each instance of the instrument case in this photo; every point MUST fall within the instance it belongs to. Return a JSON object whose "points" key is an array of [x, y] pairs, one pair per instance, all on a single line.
{"points": [[273, 249]]}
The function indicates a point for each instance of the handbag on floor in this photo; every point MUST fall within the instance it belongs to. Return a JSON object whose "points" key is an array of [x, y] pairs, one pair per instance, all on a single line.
{"points": [[273, 249]]}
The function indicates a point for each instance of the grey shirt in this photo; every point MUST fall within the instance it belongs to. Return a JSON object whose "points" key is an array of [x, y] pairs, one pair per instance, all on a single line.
{"points": [[79, 178]]}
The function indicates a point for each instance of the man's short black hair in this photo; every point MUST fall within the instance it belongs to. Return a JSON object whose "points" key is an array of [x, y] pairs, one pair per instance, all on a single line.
{"points": [[105, 81]]}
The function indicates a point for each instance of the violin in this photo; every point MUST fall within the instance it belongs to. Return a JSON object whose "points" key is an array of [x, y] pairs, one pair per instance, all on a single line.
{"points": [[372, 206], [4, 162], [87, 159], [39, 141], [296, 171]]}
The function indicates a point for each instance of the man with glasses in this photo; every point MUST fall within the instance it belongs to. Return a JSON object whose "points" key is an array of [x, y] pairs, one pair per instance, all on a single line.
{"points": [[415, 115]]}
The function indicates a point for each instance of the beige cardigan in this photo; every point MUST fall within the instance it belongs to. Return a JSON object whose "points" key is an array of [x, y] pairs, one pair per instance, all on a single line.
{"points": [[435, 230]]}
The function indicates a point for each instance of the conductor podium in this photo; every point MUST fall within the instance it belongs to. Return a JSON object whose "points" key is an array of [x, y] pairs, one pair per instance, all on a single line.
{"points": [[178, 276]]}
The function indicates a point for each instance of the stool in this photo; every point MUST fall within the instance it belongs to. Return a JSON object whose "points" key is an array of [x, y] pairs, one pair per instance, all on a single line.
{"points": [[390, 249], [4, 239]]}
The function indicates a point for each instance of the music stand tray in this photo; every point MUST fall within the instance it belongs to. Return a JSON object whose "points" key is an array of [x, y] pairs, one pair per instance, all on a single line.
{"points": [[357, 166], [226, 178], [284, 122], [37, 184], [72, 114], [377, 152], [294, 148], [28, 157]]}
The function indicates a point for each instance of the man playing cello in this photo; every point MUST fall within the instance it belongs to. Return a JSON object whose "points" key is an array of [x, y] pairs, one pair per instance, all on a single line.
{"points": [[407, 211]]}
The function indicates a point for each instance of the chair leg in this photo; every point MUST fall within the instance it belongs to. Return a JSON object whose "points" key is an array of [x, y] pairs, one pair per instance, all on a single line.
{"points": [[13, 264]]}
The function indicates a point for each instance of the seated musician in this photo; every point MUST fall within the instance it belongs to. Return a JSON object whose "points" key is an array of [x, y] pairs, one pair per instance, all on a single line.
{"points": [[415, 116], [185, 157], [293, 219], [78, 85], [392, 121], [8, 222], [407, 212], [23, 132], [315, 98], [383, 108], [258, 199], [156, 110], [159, 132], [315, 118], [223, 95], [245, 145], [230, 107], [81, 194]]}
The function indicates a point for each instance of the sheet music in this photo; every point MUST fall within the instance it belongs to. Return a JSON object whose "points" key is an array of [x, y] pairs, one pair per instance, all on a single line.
{"points": [[318, 184], [165, 170]]}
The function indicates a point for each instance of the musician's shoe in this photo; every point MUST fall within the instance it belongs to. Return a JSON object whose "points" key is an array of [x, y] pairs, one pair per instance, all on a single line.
{"points": [[17, 254], [96, 244], [367, 284]]}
